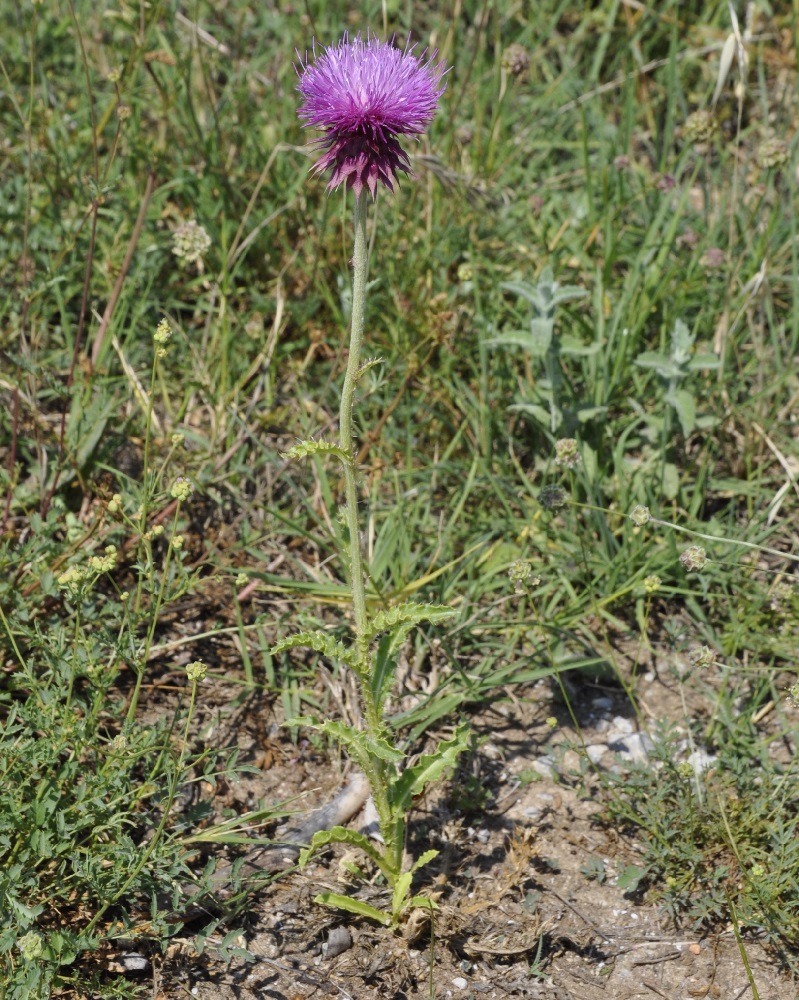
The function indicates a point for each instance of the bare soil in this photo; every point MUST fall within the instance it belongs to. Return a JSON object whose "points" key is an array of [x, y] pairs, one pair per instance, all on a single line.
{"points": [[516, 915]]}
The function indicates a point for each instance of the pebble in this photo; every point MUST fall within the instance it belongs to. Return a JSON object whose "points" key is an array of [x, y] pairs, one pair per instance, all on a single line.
{"points": [[545, 766], [596, 751], [634, 747], [701, 761], [338, 940], [621, 726], [460, 983]]}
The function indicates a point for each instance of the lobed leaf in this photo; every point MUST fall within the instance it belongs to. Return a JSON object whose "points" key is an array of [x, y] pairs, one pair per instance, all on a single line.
{"points": [[398, 622], [361, 747], [341, 835], [307, 449], [414, 780], [408, 613], [319, 642]]}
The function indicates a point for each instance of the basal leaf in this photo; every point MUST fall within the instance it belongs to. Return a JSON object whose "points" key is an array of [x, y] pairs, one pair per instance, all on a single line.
{"points": [[351, 904], [401, 888], [423, 860], [341, 835]]}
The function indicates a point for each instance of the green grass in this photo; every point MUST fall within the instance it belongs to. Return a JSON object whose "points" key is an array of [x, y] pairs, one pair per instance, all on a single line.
{"points": [[582, 165]]}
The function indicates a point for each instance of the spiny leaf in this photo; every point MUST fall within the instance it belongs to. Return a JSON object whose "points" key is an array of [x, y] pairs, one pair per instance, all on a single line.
{"points": [[423, 859], [415, 779], [306, 449], [398, 622], [341, 835], [352, 905], [370, 363], [401, 888], [409, 614], [320, 642], [361, 747], [354, 739]]}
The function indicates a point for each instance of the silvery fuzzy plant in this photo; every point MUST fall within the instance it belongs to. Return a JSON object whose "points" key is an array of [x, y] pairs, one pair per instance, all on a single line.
{"points": [[542, 340], [364, 94]]}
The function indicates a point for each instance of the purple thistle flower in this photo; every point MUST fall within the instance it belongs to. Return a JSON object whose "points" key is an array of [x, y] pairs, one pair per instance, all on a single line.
{"points": [[364, 94]]}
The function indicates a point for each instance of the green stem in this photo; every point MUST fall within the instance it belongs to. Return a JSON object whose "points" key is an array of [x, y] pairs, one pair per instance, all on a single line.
{"points": [[360, 262], [154, 614], [391, 828]]}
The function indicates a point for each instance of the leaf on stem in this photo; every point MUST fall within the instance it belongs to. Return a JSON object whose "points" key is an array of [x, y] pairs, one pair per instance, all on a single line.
{"points": [[319, 642], [307, 449], [341, 835], [398, 622], [414, 780], [363, 748]]}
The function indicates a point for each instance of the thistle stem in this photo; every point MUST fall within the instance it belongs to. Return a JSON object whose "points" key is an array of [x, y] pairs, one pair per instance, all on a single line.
{"points": [[391, 828], [360, 263]]}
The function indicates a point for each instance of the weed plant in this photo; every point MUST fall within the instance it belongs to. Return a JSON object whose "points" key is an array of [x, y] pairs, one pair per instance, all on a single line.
{"points": [[153, 167], [715, 832]]}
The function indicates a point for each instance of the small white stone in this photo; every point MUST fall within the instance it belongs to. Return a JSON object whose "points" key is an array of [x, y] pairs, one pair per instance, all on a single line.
{"points": [[701, 761], [596, 751], [460, 983], [621, 725], [635, 748]]}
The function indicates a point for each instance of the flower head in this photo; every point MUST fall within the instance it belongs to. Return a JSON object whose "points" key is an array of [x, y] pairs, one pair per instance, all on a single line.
{"points": [[364, 94], [567, 453], [694, 558], [190, 242]]}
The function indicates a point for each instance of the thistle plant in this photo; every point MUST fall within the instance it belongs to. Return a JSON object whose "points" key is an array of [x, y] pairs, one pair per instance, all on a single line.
{"points": [[364, 95]]}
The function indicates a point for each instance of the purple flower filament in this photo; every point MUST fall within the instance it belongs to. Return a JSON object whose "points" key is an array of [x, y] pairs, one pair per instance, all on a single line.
{"points": [[364, 94]]}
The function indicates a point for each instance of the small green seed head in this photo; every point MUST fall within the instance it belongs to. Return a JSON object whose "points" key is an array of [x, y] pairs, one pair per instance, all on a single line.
{"points": [[772, 153], [702, 657], [30, 946], [196, 671], [652, 583], [567, 453], [700, 126], [694, 558], [162, 333], [190, 242], [182, 489], [553, 497]]}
